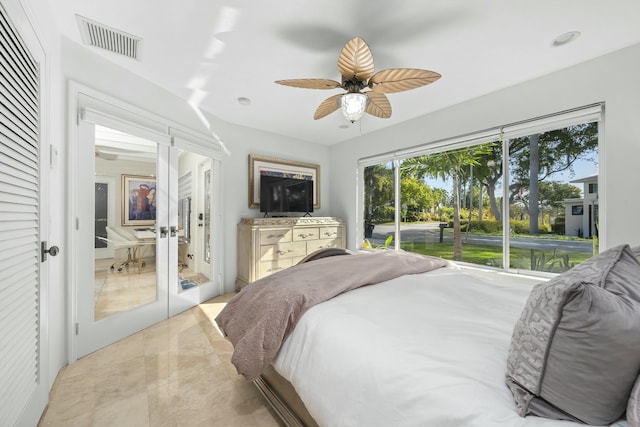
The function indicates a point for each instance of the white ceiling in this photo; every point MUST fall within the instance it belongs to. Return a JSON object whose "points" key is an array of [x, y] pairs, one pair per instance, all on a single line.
{"points": [[212, 52]]}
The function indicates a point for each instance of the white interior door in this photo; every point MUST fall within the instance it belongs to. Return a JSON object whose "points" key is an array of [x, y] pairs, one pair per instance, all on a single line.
{"points": [[192, 195], [152, 264], [24, 204], [121, 294]]}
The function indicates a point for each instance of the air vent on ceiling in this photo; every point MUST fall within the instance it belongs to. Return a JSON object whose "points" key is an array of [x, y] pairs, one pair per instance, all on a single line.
{"points": [[116, 41]]}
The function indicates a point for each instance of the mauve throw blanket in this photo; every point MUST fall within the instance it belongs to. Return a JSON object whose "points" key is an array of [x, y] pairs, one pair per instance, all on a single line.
{"points": [[259, 318]]}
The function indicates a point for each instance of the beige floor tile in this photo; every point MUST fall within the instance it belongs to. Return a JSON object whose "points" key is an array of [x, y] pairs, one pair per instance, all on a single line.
{"points": [[173, 374], [132, 411]]}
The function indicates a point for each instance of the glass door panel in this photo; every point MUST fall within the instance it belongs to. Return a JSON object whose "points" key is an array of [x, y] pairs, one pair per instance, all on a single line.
{"points": [[553, 198], [191, 250], [120, 184], [127, 278], [449, 204], [379, 209], [148, 253]]}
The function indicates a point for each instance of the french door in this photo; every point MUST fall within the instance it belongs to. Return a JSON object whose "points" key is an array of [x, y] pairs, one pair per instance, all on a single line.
{"points": [[136, 236]]}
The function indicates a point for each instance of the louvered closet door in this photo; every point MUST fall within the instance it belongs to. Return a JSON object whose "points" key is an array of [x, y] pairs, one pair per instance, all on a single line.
{"points": [[19, 224]]}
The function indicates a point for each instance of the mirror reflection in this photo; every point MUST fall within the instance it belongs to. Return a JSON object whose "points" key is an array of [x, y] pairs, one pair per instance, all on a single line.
{"points": [[126, 203]]}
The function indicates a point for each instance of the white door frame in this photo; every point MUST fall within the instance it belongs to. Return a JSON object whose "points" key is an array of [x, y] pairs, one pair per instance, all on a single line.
{"points": [[84, 102], [91, 334]]}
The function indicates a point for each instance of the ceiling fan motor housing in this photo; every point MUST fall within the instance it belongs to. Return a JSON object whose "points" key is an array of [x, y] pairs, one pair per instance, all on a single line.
{"points": [[354, 84]]}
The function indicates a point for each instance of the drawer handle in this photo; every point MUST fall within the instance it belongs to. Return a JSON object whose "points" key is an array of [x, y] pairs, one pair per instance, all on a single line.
{"points": [[276, 269], [271, 236], [305, 235], [281, 252], [333, 233]]}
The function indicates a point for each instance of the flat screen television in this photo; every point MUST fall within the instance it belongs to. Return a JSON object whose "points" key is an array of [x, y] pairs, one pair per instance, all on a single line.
{"points": [[283, 195]]}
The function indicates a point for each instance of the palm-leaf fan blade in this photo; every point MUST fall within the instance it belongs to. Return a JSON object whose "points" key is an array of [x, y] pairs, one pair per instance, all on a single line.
{"points": [[356, 60], [327, 107], [401, 79], [310, 83], [379, 105]]}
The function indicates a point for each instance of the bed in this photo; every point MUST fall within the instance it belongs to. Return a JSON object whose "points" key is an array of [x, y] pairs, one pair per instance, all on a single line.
{"points": [[429, 348]]}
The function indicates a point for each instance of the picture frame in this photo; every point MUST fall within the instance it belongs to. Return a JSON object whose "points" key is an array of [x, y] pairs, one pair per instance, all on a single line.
{"points": [[138, 200], [260, 165]]}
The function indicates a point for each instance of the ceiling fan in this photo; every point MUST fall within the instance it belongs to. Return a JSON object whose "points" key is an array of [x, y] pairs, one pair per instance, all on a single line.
{"points": [[365, 88]]}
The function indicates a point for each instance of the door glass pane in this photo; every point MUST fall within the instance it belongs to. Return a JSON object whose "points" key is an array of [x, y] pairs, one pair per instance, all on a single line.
{"points": [[379, 206], [553, 198], [125, 273], [451, 204], [102, 214], [194, 220], [207, 217]]}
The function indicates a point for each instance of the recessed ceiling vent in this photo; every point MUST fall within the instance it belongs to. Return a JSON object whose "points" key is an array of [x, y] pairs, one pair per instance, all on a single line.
{"points": [[116, 41]]}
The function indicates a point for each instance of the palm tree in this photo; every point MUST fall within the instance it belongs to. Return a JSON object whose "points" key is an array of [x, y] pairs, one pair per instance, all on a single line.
{"points": [[445, 165]]}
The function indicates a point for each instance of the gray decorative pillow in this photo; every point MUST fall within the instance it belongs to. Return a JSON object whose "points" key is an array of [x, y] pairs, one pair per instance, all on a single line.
{"points": [[633, 408], [575, 351]]}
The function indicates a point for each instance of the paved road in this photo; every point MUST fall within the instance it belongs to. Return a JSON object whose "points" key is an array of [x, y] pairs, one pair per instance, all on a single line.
{"points": [[430, 232]]}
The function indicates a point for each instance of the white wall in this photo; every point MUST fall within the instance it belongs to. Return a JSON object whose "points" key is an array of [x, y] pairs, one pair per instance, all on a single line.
{"points": [[612, 78], [82, 65]]}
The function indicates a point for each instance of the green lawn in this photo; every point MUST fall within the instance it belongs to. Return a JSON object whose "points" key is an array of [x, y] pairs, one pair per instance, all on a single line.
{"points": [[551, 261]]}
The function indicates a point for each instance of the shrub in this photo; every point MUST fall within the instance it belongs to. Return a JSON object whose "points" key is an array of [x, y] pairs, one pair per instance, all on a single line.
{"points": [[519, 226], [558, 226], [487, 226], [522, 227]]}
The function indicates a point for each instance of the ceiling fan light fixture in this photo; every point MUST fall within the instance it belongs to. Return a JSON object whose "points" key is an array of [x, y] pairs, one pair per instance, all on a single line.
{"points": [[353, 105]]}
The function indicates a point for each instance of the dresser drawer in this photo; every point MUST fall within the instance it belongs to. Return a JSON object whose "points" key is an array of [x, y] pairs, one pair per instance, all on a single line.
{"points": [[270, 267], [270, 237], [304, 234], [322, 244], [282, 250], [330, 233]]}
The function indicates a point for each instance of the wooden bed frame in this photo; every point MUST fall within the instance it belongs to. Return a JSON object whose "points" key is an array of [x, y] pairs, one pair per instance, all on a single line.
{"points": [[283, 398], [279, 392]]}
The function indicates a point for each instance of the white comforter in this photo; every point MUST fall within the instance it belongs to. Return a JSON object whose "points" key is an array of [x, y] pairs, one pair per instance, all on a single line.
{"points": [[422, 350]]}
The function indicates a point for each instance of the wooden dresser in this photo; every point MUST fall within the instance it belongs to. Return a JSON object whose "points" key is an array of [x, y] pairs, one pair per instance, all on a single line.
{"points": [[267, 245]]}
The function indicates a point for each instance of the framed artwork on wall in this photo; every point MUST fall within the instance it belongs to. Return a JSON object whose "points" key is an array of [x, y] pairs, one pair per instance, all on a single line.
{"points": [[261, 165], [138, 200]]}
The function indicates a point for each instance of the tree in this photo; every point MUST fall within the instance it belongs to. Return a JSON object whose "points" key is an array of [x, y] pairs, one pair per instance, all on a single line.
{"points": [[488, 172], [378, 190], [534, 169], [553, 193], [415, 194], [538, 157], [449, 164]]}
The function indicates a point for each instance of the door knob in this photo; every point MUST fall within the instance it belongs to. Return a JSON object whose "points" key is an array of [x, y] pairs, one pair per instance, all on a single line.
{"points": [[53, 250]]}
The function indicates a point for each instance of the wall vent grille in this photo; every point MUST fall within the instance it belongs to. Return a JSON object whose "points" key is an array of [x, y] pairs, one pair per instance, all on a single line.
{"points": [[110, 39]]}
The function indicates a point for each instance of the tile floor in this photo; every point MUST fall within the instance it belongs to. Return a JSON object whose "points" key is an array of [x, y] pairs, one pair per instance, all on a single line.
{"points": [[176, 373]]}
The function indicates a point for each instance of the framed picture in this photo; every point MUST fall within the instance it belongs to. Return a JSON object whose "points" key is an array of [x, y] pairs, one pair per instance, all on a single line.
{"points": [[138, 200], [260, 165]]}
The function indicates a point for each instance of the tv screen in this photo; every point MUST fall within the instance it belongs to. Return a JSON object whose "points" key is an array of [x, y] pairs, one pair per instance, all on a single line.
{"points": [[282, 194]]}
